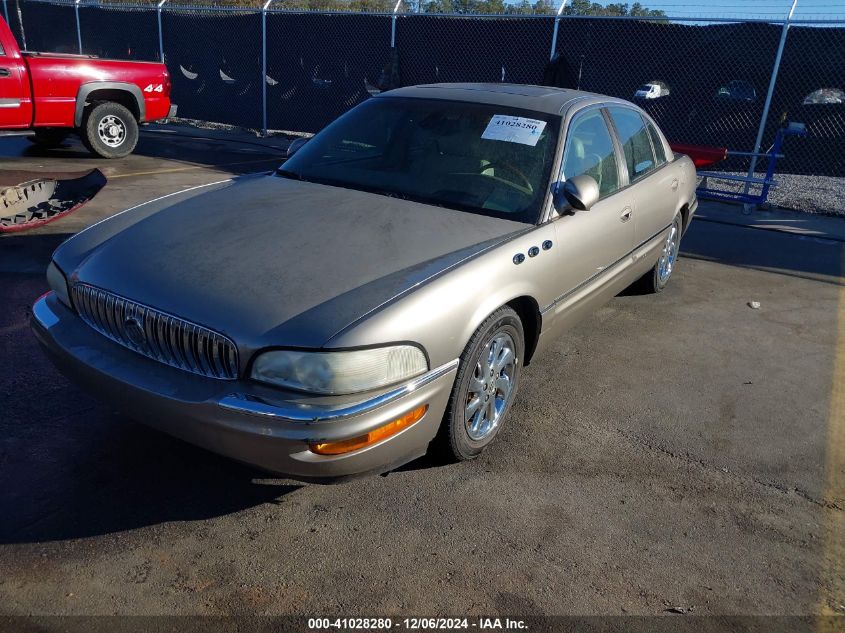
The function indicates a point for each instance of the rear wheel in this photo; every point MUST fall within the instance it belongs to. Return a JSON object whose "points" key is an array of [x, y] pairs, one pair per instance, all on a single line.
{"points": [[656, 279], [485, 386], [110, 130], [49, 137]]}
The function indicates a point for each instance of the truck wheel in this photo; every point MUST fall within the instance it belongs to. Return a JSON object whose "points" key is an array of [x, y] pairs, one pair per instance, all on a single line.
{"points": [[49, 137], [110, 130]]}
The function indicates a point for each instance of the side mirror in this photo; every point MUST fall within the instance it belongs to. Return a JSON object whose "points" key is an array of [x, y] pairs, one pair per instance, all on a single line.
{"points": [[295, 145], [579, 193]]}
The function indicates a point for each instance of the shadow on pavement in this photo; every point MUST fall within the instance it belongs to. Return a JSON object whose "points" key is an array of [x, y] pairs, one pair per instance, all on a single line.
{"points": [[802, 256], [93, 473], [71, 469], [238, 152], [28, 253]]}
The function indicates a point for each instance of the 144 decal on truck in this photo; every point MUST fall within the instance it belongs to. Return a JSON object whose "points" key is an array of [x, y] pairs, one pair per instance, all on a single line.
{"points": [[154, 88]]}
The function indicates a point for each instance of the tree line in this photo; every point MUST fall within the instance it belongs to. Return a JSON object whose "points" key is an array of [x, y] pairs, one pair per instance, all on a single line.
{"points": [[478, 7], [469, 7]]}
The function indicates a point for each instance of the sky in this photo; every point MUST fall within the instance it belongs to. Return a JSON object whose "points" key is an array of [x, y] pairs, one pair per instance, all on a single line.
{"points": [[768, 9]]}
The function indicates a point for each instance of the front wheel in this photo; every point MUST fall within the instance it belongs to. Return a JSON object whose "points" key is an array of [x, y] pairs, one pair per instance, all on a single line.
{"points": [[656, 279], [485, 386], [110, 130]]}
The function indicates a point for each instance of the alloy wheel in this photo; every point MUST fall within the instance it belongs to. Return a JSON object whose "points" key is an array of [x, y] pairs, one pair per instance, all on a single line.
{"points": [[490, 387], [669, 254]]}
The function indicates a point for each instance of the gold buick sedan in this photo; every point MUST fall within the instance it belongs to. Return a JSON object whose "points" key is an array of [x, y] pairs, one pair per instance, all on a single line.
{"points": [[380, 292]]}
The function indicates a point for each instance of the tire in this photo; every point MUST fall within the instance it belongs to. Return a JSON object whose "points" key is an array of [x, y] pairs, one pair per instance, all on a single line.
{"points": [[657, 278], [461, 438], [109, 130], [49, 137]]}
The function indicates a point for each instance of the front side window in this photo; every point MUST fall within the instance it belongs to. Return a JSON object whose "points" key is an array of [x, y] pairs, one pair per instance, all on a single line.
{"points": [[589, 150], [480, 158], [634, 137]]}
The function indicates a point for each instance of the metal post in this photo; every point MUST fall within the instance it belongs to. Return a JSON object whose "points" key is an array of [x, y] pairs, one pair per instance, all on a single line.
{"points": [[393, 25], [761, 130], [264, 67], [78, 30], [557, 23], [6, 12], [160, 35]]}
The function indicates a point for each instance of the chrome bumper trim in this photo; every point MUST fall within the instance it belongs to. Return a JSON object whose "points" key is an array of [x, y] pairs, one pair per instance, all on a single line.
{"points": [[253, 405], [42, 313]]}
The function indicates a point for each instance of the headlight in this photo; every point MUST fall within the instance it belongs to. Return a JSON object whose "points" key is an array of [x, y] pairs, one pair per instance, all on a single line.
{"points": [[340, 372], [58, 284]]}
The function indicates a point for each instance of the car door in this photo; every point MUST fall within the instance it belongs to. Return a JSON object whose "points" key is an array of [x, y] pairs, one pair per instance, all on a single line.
{"points": [[654, 186], [594, 246], [14, 95]]}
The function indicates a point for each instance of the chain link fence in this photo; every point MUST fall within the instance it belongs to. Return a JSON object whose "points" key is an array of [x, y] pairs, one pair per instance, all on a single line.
{"points": [[706, 81], [449, 48], [118, 33], [321, 64], [810, 88], [214, 59]]}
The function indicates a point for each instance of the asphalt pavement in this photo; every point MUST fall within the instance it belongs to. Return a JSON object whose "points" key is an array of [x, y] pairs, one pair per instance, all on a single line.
{"points": [[677, 453]]}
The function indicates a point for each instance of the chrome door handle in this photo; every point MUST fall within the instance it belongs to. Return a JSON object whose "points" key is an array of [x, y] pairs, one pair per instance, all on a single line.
{"points": [[5, 72], [626, 214], [674, 184]]}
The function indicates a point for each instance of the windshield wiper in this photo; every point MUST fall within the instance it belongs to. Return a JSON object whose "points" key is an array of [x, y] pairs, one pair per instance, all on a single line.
{"points": [[388, 193], [343, 184], [287, 173]]}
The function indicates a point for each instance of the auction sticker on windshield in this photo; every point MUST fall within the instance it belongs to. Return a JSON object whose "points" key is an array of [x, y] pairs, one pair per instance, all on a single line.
{"points": [[514, 129]]}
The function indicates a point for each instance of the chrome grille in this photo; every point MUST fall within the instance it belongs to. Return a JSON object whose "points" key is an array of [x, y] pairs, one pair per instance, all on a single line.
{"points": [[157, 335]]}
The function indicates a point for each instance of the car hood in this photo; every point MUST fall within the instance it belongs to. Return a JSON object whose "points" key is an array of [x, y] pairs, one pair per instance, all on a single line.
{"points": [[273, 261]]}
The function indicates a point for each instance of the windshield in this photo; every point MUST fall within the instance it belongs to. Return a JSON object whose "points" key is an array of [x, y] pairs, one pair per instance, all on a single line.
{"points": [[479, 158]]}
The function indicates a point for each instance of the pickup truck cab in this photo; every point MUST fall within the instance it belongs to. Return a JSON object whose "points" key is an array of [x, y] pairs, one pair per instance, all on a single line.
{"points": [[50, 96]]}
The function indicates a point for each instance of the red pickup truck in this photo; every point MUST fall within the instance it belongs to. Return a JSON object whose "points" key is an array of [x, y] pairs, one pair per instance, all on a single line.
{"points": [[50, 96]]}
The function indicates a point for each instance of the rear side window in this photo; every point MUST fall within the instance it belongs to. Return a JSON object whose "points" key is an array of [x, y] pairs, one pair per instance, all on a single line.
{"points": [[636, 144], [2, 52], [589, 150], [657, 144]]}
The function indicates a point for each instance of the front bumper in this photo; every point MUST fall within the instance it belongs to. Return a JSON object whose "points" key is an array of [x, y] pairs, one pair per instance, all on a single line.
{"points": [[241, 419]]}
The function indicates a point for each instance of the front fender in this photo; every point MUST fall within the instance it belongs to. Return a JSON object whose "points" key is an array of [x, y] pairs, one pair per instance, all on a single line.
{"points": [[442, 314]]}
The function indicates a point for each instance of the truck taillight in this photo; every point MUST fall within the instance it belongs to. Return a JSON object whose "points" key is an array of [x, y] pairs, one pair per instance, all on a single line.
{"points": [[167, 84]]}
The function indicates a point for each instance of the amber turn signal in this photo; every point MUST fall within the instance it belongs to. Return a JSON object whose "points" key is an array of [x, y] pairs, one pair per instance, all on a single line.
{"points": [[376, 435]]}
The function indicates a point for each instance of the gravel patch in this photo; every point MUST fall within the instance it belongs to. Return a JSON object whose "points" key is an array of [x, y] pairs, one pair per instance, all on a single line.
{"points": [[822, 195]]}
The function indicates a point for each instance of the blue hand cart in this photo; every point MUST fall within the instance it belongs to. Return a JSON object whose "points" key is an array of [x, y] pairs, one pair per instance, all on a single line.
{"points": [[711, 191]]}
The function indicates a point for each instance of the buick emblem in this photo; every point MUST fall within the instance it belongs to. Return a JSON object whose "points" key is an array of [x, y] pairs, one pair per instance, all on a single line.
{"points": [[135, 332]]}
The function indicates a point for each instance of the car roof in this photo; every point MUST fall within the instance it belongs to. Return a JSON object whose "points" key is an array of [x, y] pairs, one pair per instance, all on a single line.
{"points": [[546, 99]]}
